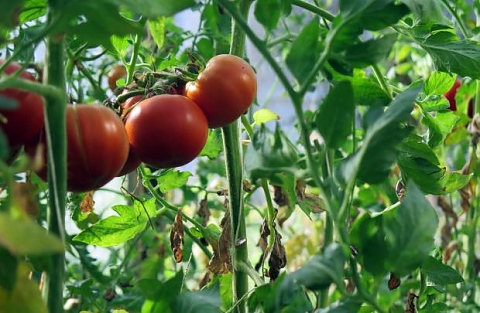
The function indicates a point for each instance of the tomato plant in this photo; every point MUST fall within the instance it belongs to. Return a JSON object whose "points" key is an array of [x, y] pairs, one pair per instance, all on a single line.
{"points": [[24, 122], [224, 90], [166, 130]]}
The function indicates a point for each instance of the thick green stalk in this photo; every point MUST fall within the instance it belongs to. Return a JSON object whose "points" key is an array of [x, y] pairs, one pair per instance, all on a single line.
{"points": [[57, 158], [233, 163]]}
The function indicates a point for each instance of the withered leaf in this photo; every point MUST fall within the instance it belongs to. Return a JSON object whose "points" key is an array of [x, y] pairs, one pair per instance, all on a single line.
{"points": [[204, 212], [221, 262], [410, 307], [23, 195], [176, 237], [86, 206], [394, 282], [278, 256]]}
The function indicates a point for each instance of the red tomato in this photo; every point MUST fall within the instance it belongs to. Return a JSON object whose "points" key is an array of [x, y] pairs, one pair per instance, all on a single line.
{"points": [[23, 123], [224, 90], [450, 95], [166, 130], [97, 147]]}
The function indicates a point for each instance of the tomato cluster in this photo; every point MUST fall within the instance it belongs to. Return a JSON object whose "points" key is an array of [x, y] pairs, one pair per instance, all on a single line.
{"points": [[161, 130]]}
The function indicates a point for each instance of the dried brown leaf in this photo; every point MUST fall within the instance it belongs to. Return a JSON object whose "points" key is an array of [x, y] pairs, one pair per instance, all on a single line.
{"points": [[176, 237], [204, 212], [23, 194], [410, 307], [221, 262], [394, 282], [86, 206]]}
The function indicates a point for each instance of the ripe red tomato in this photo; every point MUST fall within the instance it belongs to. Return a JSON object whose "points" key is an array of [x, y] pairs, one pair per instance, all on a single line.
{"points": [[166, 130], [224, 90], [97, 147], [450, 95], [23, 123]]}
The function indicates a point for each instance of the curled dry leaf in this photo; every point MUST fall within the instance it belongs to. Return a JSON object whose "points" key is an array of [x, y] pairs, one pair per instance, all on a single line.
{"points": [[221, 262], [400, 190], [176, 237], [394, 282], [410, 307], [86, 206], [204, 211], [278, 256]]}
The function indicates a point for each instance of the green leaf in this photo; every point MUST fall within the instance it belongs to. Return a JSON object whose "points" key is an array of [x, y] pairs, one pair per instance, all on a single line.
{"points": [[207, 301], [346, 305], [439, 274], [440, 125], [438, 83], [372, 162], [409, 232], [425, 11], [370, 52], [368, 92], [320, 271], [263, 116], [115, 230], [25, 237], [32, 10], [277, 297], [414, 147], [121, 45], [304, 51], [157, 30], [160, 294], [334, 118], [268, 12], [172, 179], [453, 55], [270, 153], [8, 270], [155, 8], [214, 145]]}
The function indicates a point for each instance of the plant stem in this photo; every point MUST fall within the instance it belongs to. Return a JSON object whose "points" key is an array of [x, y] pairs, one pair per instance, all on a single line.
{"points": [[314, 9], [233, 163], [55, 121]]}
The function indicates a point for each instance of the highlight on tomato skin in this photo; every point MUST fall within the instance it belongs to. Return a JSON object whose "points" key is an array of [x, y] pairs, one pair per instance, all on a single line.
{"points": [[224, 90], [166, 131], [97, 147], [24, 122]]}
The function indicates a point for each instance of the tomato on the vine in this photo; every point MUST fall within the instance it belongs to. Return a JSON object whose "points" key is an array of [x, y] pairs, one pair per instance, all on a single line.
{"points": [[224, 90], [166, 130], [24, 122], [97, 147]]}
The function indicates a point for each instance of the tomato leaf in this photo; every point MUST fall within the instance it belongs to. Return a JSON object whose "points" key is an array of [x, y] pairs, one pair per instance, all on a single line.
{"points": [[160, 294], [304, 51], [372, 162], [206, 300], [263, 116], [157, 29], [214, 145], [438, 83], [334, 118], [346, 305], [409, 232], [439, 274], [32, 10], [268, 12], [370, 52], [156, 8], [426, 11], [115, 230], [453, 55], [25, 237], [172, 179]]}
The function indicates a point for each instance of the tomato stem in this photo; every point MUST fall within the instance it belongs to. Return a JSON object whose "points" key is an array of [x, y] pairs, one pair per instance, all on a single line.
{"points": [[55, 123]]}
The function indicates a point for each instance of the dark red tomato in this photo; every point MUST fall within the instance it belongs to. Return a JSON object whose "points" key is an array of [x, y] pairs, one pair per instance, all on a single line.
{"points": [[166, 130], [97, 147], [450, 95], [23, 123], [224, 90]]}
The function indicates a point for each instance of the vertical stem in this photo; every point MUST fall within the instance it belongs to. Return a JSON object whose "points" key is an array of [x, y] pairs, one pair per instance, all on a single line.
{"points": [[57, 150], [233, 162]]}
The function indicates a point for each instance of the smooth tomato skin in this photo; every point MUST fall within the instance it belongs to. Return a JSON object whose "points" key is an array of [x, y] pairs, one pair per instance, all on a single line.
{"points": [[224, 90], [166, 130], [23, 123], [450, 95], [97, 147]]}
